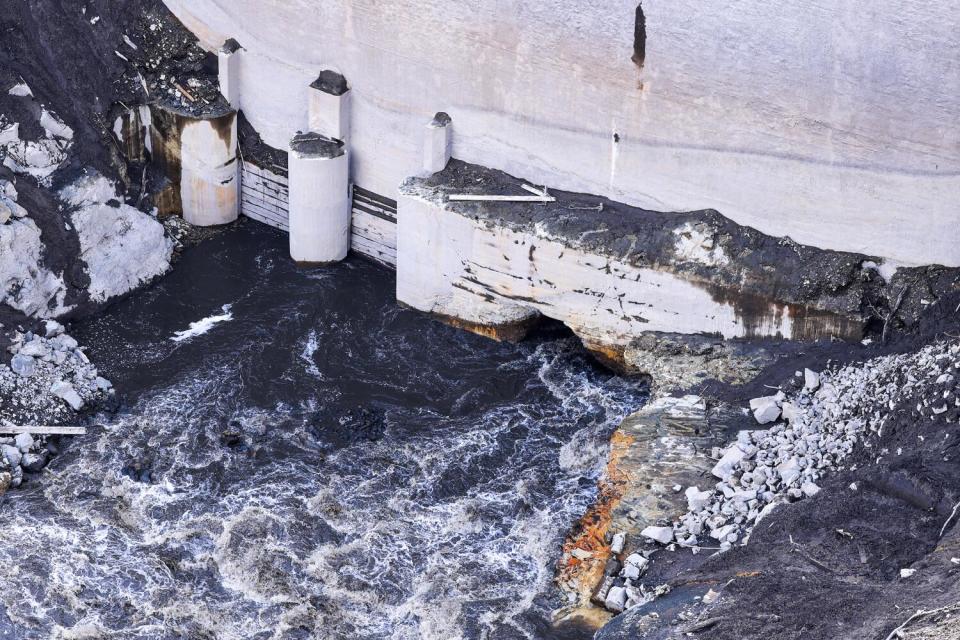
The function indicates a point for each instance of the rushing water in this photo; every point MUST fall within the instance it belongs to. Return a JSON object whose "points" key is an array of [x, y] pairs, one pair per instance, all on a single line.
{"points": [[298, 457]]}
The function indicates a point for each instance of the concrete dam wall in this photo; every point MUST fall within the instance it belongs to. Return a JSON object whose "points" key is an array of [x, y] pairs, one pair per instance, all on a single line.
{"points": [[769, 113]]}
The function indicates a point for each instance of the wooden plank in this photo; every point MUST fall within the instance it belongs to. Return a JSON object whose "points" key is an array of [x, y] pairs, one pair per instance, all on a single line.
{"points": [[376, 229], [364, 246], [359, 206], [43, 430], [465, 197], [260, 210], [370, 195]]}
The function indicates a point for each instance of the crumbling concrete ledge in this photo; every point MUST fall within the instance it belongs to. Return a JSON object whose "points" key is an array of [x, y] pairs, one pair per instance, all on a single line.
{"points": [[610, 271]]}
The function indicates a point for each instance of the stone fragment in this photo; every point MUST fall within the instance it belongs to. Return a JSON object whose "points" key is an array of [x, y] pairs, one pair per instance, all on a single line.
{"points": [[696, 499], [52, 328], [105, 385], [23, 366], [727, 463], [811, 380], [23, 441], [34, 348], [767, 412], [33, 462], [12, 454], [616, 545], [581, 554], [616, 599], [663, 535], [66, 392], [810, 489]]}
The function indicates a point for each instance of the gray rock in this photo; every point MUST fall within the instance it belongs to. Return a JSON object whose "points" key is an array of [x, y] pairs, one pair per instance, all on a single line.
{"points": [[33, 462], [616, 599], [23, 441], [34, 348], [663, 535], [728, 462], [616, 546], [767, 413], [12, 455], [53, 328], [23, 366], [66, 392]]}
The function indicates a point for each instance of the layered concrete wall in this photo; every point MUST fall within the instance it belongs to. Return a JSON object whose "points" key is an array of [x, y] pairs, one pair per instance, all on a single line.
{"points": [[833, 123], [611, 272]]}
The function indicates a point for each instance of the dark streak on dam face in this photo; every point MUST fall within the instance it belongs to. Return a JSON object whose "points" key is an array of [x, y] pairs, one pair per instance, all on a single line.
{"points": [[639, 38]]}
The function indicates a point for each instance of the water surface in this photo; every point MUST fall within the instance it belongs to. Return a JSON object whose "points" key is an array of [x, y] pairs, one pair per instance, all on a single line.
{"points": [[299, 457]]}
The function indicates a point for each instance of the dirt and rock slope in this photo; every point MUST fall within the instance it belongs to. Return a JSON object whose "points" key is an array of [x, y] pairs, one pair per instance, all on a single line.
{"points": [[836, 519], [78, 226]]}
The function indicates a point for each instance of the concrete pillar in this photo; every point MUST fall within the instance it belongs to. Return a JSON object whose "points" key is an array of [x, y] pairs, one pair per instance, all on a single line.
{"points": [[319, 199], [229, 72], [329, 107], [209, 181], [439, 139], [199, 157]]}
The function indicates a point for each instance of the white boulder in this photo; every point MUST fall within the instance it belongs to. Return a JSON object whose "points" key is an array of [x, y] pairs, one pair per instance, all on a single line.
{"points": [[663, 535]]}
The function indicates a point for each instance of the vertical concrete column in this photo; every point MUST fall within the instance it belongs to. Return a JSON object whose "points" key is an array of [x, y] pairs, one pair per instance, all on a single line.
{"points": [[209, 179], [329, 108], [319, 199], [439, 139], [228, 58]]}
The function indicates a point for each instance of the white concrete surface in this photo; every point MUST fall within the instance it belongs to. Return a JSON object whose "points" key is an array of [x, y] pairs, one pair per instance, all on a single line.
{"points": [[319, 207], [209, 179], [328, 114], [833, 123], [483, 274], [437, 145], [229, 74]]}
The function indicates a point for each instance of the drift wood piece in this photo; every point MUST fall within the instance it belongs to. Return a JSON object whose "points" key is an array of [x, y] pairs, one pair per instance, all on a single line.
{"points": [[43, 430]]}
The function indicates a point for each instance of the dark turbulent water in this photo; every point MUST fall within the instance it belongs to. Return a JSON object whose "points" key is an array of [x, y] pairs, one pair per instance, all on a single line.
{"points": [[312, 461]]}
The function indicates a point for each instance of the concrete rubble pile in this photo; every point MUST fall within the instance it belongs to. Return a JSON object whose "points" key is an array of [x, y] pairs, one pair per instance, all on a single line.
{"points": [[815, 427], [49, 380]]}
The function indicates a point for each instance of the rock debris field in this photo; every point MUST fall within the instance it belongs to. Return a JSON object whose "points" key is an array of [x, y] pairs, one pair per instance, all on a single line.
{"points": [[49, 380], [817, 423]]}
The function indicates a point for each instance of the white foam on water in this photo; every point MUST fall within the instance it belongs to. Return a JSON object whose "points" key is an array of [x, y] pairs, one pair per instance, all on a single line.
{"points": [[368, 542], [203, 326], [309, 349]]}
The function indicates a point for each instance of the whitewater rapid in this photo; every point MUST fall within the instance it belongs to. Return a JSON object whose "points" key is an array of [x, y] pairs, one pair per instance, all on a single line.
{"points": [[322, 465]]}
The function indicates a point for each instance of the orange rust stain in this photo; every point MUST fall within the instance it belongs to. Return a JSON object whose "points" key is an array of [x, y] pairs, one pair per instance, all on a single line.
{"points": [[590, 532], [748, 574], [512, 332], [611, 356]]}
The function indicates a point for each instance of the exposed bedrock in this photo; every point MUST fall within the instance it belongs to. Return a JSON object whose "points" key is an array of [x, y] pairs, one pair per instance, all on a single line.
{"points": [[612, 272]]}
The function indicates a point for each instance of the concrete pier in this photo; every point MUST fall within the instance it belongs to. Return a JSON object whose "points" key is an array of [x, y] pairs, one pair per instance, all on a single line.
{"points": [[319, 199], [199, 156]]}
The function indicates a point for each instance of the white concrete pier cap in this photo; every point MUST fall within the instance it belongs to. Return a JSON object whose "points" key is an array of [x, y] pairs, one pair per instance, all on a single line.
{"points": [[319, 199], [437, 143], [329, 106]]}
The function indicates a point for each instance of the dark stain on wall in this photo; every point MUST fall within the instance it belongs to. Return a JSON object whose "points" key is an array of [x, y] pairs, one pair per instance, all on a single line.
{"points": [[639, 38]]}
